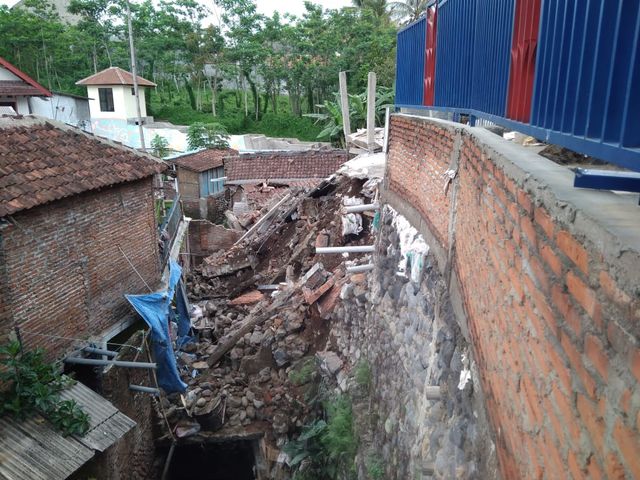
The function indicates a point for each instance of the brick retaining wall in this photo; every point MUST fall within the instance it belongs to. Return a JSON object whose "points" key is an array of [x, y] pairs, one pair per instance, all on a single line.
{"points": [[548, 280]]}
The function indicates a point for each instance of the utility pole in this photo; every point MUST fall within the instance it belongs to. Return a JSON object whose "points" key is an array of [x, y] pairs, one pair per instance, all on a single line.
{"points": [[135, 78]]}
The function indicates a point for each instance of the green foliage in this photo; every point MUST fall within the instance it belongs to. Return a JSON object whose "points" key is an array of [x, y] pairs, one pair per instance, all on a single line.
{"points": [[207, 135], [374, 467], [160, 146], [326, 448], [33, 386], [363, 374], [303, 372], [331, 117]]}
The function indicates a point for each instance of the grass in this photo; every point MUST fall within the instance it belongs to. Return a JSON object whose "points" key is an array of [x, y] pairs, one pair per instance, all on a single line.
{"points": [[363, 374], [178, 111], [374, 467], [303, 372]]}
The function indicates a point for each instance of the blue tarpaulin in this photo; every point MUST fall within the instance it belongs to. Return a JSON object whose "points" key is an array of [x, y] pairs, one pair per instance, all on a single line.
{"points": [[183, 320], [154, 309]]}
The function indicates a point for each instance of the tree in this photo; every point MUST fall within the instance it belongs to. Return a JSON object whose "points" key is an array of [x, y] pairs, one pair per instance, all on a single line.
{"points": [[207, 135], [160, 146], [408, 11]]}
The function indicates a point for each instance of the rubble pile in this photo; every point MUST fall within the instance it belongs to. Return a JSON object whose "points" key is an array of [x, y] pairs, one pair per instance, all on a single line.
{"points": [[262, 311]]}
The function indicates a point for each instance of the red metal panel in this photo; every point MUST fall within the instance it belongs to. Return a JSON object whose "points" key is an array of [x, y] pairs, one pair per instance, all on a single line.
{"points": [[430, 57], [523, 59]]}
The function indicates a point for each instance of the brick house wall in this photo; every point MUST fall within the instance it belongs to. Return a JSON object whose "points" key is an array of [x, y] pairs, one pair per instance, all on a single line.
{"points": [[188, 183], [63, 273], [547, 276]]}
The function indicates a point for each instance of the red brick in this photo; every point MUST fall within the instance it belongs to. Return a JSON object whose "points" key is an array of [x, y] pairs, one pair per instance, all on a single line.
{"points": [[629, 446], [613, 468], [567, 413], [539, 273], [529, 232], [543, 219], [525, 202], [594, 472], [625, 401], [635, 363], [560, 368], [610, 288], [551, 259], [595, 352], [584, 296], [574, 467], [573, 249], [576, 361], [590, 419]]}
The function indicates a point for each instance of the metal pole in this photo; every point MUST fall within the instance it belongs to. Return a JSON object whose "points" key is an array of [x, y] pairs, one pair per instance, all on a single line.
{"points": [[344, 105], [135, 77], [221, 179], [371, 112], [353, 249], [361, 208], [134, 268], [360, 268], [100, 351], [140, 388], [106, 363]]}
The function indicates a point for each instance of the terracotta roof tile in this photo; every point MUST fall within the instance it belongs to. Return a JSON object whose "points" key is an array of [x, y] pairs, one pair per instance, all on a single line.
{"points": [[114, 76], [17, 87], [258, 167], [42, 161], [204, 159]]}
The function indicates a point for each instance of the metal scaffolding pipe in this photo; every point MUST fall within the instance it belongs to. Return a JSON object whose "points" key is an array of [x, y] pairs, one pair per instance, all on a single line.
{"points": [[362, 208], [352, 249], [433, 393], [360, 268], [140, 388], [100, 351], [106, 363]]}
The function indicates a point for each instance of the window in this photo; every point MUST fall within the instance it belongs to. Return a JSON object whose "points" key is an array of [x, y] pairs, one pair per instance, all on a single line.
{"points": [[208, 185], [133, 91], [106, 99]]}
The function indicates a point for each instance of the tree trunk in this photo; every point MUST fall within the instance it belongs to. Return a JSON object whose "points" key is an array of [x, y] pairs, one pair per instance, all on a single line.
{"points": [[192, 97], [254, 94]]}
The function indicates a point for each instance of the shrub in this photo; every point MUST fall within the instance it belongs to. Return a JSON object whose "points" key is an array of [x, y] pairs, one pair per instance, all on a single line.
{"points": [[33, 386]]}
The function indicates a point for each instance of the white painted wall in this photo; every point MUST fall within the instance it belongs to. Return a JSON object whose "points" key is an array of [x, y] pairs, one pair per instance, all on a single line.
{"points": [[7, 75], [22, 104], [71, 110], [124, 103]]}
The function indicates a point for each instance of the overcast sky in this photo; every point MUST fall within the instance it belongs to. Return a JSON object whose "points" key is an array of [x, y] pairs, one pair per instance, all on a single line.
{"points": [[267, 7]]}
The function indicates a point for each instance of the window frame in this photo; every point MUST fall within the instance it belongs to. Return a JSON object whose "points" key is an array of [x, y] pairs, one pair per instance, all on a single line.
{"points": [[105, 99]]}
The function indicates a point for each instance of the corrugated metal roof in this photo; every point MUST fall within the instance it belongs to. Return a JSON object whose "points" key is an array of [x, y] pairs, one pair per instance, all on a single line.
{"points": [[107, 424], [33, 449]]}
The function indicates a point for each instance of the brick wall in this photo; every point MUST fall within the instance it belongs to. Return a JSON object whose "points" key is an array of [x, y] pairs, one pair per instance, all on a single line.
{"points": [[64, 274], [548, 278], [188, 183], [206, 238]]}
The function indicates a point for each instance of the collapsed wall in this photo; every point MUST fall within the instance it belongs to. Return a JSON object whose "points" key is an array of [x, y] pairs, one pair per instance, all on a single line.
{"points": [[542, 279]]}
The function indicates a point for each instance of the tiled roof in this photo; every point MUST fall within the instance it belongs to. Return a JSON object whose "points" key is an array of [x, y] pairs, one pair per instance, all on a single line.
{"points": [[204, 159], [42, 161], [28, 84], [17, 87], [274, 166], [114, 76]]}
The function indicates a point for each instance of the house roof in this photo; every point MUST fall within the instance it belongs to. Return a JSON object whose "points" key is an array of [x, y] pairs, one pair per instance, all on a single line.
{"points": [[26, 86], [204, 160], [33, 449], [283, 166], [114, 76], [42, 160]]}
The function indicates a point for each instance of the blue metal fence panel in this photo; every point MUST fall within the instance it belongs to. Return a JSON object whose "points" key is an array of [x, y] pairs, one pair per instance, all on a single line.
{"points": [[410, 63], [454, 62], [492, 55], [587, 78]]}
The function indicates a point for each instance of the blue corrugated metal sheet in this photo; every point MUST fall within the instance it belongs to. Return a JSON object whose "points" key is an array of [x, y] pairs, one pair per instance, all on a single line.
{"points": [[587, 71], [492, 50], [410, 63], [454, 58], [587, 64]]}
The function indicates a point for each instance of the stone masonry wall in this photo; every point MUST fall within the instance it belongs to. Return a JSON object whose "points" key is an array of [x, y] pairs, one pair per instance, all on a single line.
{"points": [[404, 327], [63, 273], [543, 279]]}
